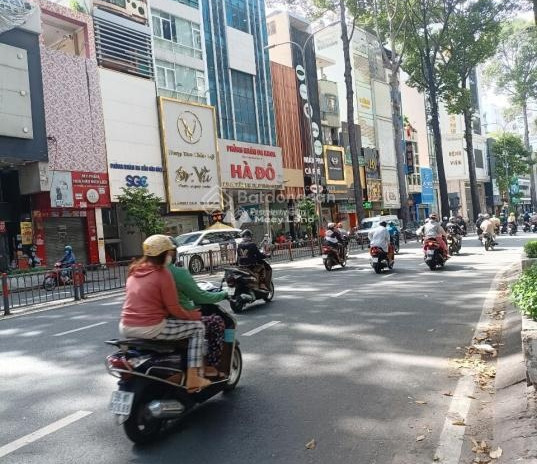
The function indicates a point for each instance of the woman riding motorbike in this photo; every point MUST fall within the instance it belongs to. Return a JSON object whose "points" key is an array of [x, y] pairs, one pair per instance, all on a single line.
{"points": [[152, 311], [191, 296]]}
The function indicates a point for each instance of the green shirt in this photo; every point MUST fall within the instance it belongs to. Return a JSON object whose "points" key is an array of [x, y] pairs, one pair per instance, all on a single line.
{"points": [[190, 295]]}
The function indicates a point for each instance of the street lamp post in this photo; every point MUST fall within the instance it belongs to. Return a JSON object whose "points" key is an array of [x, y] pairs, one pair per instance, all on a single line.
{"points": [[309, 114]]}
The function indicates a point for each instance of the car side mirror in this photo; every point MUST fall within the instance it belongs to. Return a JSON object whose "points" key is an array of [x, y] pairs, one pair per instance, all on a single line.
{"points": [[205, 242]]}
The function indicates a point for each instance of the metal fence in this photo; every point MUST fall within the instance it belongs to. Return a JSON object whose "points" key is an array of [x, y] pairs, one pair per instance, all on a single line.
{"points": [[34, 288]]}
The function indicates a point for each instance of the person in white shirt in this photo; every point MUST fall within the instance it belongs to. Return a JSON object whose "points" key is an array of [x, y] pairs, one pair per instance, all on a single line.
{"points": [[380, 237], [433, 229]]}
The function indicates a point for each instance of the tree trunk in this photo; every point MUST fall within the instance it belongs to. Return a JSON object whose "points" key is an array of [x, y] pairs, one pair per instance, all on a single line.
{"points": [[533, 186], [437, 136], [358, 198], [468, 137], [398, 140]]}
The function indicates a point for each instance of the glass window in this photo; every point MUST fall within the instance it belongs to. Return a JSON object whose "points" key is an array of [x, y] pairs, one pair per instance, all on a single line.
{"points": [[174, 80], [176, 34], [244, 104], [271, 28], [237, 14]]}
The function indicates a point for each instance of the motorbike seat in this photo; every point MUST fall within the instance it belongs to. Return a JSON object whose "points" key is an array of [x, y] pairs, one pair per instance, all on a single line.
{"points": [[151, 344]]}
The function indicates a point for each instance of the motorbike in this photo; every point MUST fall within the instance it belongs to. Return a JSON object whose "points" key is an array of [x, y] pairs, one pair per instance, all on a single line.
{"points": [[432, 254], [333, 256], [152, 394], [61, 275], [503, 229], [526, 227], [379, 259], [511, 228], [488, 241], [454, 244], [245, 284]]}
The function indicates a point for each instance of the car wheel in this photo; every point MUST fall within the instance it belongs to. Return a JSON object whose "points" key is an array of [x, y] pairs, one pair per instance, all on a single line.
{"points": [[196, 266]]}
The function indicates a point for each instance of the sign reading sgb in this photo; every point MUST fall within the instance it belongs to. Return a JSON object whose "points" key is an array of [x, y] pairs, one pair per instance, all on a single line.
{"points": [[136, 181]]}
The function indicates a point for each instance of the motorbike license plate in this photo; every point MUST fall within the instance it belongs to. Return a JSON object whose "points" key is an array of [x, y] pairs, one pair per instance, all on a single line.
{"points": [[430, 252], [121, 402], [374, 260], [324, 256]]}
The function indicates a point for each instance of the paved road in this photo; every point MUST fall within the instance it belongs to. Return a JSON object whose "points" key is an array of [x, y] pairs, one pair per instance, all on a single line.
{"points": [[351, 353]]}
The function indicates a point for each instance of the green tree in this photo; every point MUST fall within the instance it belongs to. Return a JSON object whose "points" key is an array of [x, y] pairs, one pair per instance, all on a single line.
{"points": [[344, 9], [427, 27], [307, 214], [142, 209], [512, 159], [77, 6], [472, 38]]}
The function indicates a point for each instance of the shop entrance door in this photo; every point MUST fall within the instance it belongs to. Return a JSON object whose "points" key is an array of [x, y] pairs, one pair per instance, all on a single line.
{"points": [[60, 232]]}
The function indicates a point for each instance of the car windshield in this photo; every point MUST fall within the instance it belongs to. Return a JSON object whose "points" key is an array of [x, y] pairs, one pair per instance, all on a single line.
{"points": [[187, 239], [368, 224]]}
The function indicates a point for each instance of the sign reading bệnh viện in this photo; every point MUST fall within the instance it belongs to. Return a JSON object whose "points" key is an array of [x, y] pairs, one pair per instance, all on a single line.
{"points": [[191, 156], [250, 166]]}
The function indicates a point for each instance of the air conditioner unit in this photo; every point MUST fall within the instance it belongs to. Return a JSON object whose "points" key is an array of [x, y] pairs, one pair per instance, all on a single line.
{"points": [[132, 9]]}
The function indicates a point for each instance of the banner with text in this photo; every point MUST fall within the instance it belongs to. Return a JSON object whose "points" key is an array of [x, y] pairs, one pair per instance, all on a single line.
{"points": [[191, 156], [250, 166]]}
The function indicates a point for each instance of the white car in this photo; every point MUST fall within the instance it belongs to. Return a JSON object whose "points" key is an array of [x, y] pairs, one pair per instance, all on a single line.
{"points": [[368, 224], [193, 248]]}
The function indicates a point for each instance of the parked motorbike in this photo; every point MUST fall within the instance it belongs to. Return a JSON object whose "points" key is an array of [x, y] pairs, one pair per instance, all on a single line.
{"points": [[379, 259], [152, 392], [511, 228], [432, 254], [503, 229], [333, 256], [488, 241], [245, 284], [454, 244]]}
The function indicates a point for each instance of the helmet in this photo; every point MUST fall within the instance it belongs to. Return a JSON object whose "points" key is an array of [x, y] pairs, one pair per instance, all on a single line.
{"points": [[155, 245], [480, 215], [339, 225], [452, 219], [68, 248], [487, 216], [427, 220], [246, 233], [433, 217], [444, 218], [382, 223], [330, 225]]}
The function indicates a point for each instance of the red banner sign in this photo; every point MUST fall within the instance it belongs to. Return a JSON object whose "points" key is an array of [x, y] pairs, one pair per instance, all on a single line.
{"points": [[90, 189]]}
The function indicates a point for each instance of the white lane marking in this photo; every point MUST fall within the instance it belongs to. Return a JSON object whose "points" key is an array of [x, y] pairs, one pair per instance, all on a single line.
{"points": [[34, 436], [78, 330], [281, 277], [342, 293], [449, 448], [260, 328]]}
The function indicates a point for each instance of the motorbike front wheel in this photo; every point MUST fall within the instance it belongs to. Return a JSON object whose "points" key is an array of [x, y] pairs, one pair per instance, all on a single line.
{"points": [[271, 292], [235, 370], [49, 283]]}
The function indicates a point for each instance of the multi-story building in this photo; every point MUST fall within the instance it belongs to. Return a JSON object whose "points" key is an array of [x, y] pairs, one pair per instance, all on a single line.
{"points": [[456, 160], [23, 138], [373, 114]]}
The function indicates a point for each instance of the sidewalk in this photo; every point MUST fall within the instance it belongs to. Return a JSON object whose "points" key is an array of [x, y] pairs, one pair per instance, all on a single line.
{"points": [[515, 404]]}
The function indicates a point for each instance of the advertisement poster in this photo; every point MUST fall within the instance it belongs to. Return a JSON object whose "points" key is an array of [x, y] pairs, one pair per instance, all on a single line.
{"points": [[374, 190], [26, 233], [427, 186], [61, 189], [90, 189], [250, 166], [191, 156], [335, 167], [409, 156]]}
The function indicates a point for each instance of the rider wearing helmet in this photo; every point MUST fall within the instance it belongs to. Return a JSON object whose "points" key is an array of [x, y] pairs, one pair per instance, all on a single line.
{"points": [[248, 255], [454, 229], [68, 257], [433, 229], [334, 238]]}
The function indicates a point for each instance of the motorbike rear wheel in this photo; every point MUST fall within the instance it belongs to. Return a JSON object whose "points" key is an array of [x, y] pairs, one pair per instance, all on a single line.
{"points": [[327, 264], [236, 305], [49, 283], [141, 427], [432, 265], [377, 267]]}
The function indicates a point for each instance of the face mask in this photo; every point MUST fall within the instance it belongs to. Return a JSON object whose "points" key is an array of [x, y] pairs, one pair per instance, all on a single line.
{"points": [[168, 260]]}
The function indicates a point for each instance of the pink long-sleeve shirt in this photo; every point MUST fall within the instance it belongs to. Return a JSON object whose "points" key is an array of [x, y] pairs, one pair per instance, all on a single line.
{"points": [[152, 297]]}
